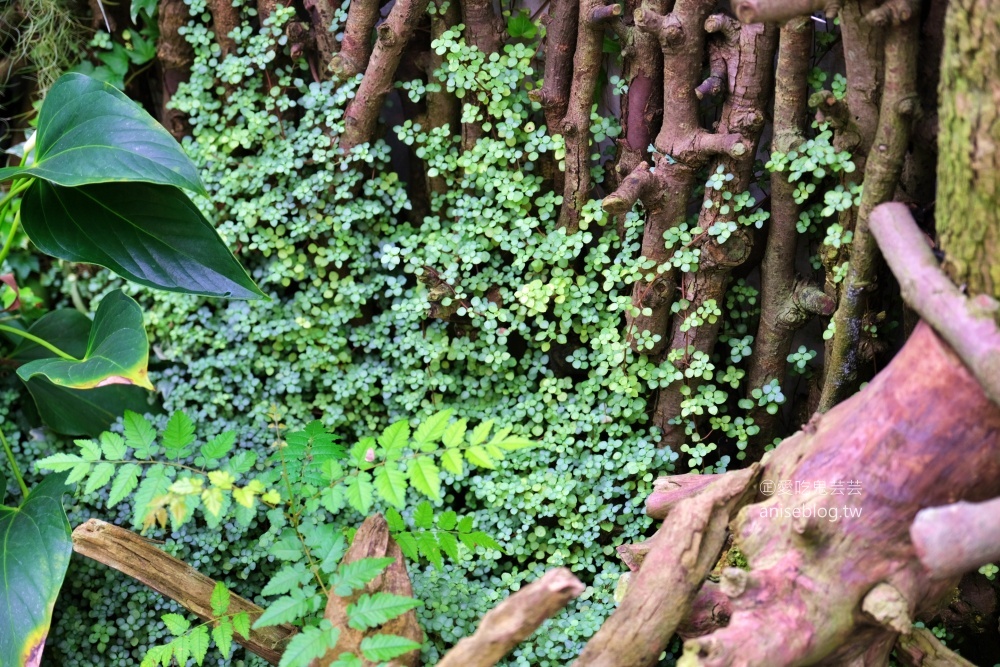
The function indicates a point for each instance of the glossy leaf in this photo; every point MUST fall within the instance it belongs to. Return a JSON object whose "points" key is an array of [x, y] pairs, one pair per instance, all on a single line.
{"points": [[90, 132], [151, 234], [85, 411], [36, 550], [117, 351]]}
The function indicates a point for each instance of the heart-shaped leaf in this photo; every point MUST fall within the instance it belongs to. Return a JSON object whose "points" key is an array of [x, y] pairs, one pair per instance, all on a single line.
{"points": [[151, 234], [90, 132], [37, 544], [117, 351], [75, 411], [87, 412]]}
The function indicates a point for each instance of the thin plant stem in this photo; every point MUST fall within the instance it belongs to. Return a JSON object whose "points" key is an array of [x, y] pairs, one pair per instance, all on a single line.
{"points": [[40, 341], [13, 465]]}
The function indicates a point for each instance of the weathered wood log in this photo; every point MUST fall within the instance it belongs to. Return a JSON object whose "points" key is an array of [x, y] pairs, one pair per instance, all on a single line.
{"points": [[513, 620], [837, 501], [131, 554]]}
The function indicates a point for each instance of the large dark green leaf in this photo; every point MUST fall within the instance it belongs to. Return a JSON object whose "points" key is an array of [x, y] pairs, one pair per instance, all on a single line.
{"points": [[117, 351], [90, 132], [87, 412], [151, 234], [75, 411], [35, 547], [67, 328]]}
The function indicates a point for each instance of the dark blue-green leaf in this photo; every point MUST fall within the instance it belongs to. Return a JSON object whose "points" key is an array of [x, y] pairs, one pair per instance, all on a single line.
{"points": [[36, 550], [90, 132], [151, 234]]}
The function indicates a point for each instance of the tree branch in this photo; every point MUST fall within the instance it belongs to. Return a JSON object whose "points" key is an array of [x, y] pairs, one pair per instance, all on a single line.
{"points": [[355, 50], [362, 113], [681, 554], [884, 166], [967, 324], [514, 620]]}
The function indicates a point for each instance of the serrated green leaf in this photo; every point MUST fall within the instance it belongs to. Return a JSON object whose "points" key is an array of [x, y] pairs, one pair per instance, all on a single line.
{"points": [[408, 545], [198, 643], [429, 548], [391, 485], [182, 650], [478, 456], [158, 655], [117, 351], [479, 538], [219, 446], [177, 436], [99, 476], [447, 520], [308, 644], [356, 575], [480, 433], [425, 476], [156, 482], [34, 557], [287, 547], [373, 610], [242, 462], [386, 647], [454, 434], [241, 624], [286, 580], [347, 660], [113, 446], [78, 473], [433, 428], [284, 609], [423, 516], [222, 635], [176, 624], [449, 544], [466, 524], [59, 462], [89, 450], [451, 460], [139, 434], [511, 443], [219, 599], [360, 492], [395, 438], [329, 554], [394, 520], [125, 482]]}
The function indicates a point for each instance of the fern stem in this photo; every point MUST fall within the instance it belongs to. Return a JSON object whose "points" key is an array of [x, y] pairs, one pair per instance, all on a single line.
{"points": [[39, 341], [13, 466]]}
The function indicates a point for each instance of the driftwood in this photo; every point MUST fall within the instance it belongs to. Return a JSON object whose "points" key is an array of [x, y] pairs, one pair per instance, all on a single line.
{"points": [[513, 620], [140, 559]]}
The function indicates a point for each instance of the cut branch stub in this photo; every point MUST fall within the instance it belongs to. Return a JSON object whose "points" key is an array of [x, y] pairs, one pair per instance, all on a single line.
{"points": [[957, 538], [513, 620], [779, 11]]}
